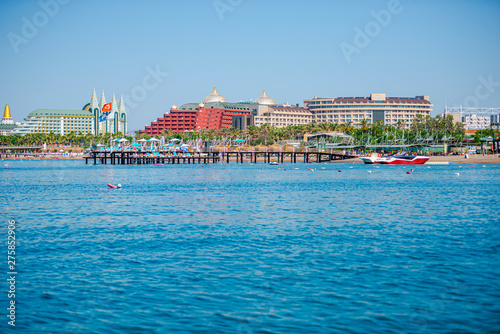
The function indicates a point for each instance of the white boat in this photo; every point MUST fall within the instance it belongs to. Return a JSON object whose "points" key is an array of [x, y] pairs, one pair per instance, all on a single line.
{"points": [[373, 159], [274, 163]]}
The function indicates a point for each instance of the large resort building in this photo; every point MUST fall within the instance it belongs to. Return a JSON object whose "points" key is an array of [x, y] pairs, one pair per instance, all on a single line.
{"points": [[280, 115], [215, 113], [89, 120], [396, 111]]}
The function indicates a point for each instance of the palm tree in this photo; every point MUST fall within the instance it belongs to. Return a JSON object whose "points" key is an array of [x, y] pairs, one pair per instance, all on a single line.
{"points": [[364, 125]]}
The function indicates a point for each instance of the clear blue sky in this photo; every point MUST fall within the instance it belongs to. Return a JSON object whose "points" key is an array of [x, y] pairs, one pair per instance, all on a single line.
{"points": [[293, 49]]}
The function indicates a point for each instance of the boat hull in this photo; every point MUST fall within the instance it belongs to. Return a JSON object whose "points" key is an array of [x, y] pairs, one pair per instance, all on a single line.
{"points": [[417, 160], [371, 160]]}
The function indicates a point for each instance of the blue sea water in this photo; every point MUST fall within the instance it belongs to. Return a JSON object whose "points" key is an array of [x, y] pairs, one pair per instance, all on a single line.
{"points": [[253, 248]]}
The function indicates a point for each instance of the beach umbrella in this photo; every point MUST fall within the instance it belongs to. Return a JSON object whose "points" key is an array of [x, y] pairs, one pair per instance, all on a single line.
{"points": [[275, 148], [100, 145], [175, 139], [260, 148], [153, 139], [122, 140], [239, 140], [218, 149], [142, 140]]}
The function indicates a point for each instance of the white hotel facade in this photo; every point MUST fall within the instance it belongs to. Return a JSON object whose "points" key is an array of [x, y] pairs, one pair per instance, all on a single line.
{"points": [[390, 110]]}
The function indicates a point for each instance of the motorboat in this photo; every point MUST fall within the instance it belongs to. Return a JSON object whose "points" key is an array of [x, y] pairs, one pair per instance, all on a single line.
{"points": [[274, 163], [404, 158]]}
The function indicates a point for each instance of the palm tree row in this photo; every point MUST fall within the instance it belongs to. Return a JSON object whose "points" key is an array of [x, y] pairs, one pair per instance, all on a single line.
{"points": [[38, 139]]}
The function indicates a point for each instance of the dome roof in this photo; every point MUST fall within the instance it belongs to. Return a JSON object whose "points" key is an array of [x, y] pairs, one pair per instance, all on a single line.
{"points": [[173, 107], [201, 105], [214, 97], [264, 99], [6, 112]]}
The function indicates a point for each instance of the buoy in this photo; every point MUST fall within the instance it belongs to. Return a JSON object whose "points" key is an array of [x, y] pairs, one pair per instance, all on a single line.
{"points": [[408, 172], [369, 171], [340, 171], [457, 173], [112, 186], [6, 167]]}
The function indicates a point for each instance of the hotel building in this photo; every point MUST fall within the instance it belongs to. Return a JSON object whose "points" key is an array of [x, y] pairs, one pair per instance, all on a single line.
{"points": [[214, 112], [85, 121], [390, 110], [280, 115], [475, 122]]}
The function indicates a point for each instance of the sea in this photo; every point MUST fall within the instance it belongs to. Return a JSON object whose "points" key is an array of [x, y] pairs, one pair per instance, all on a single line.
{"points": [[251, 248]]}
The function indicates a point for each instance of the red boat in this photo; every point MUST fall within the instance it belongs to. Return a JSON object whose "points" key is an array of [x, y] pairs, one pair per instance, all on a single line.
{"points": [[404, 159]]}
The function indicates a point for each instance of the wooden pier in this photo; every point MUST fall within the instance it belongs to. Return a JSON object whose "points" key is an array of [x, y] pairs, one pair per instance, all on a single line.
{"points": [[135, 158]]}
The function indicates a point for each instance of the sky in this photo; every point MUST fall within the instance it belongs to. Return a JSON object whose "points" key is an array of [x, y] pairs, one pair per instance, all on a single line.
{"points": [[53, 53]]}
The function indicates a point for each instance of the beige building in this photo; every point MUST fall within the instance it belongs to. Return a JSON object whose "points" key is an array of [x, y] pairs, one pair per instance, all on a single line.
{"points": [[279, 115], [390, 110], [475, 122]]}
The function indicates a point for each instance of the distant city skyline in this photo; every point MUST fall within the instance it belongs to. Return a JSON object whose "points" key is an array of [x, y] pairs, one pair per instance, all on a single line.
{"points": [[159, 53]]}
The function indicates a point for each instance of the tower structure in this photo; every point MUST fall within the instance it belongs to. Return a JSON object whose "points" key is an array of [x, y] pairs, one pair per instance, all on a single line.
{"points": [[95, 110], [7, 118], [121, 117], [112, 121]]}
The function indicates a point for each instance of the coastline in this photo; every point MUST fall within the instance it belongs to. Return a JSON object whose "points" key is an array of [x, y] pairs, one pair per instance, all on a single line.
{"points": [[455, 159]]}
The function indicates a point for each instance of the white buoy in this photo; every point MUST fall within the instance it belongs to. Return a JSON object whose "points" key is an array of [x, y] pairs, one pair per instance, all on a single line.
{"points": [[119, 185], [369, 171], [457, 173]]}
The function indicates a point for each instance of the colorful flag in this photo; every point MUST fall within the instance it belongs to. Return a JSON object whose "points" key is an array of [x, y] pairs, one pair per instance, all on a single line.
{"points": [[103, 117], [106, 107]]}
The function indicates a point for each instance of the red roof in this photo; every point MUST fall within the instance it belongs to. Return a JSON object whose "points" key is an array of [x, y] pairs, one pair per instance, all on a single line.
{"points": [[291, 109], [389, 100]]}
